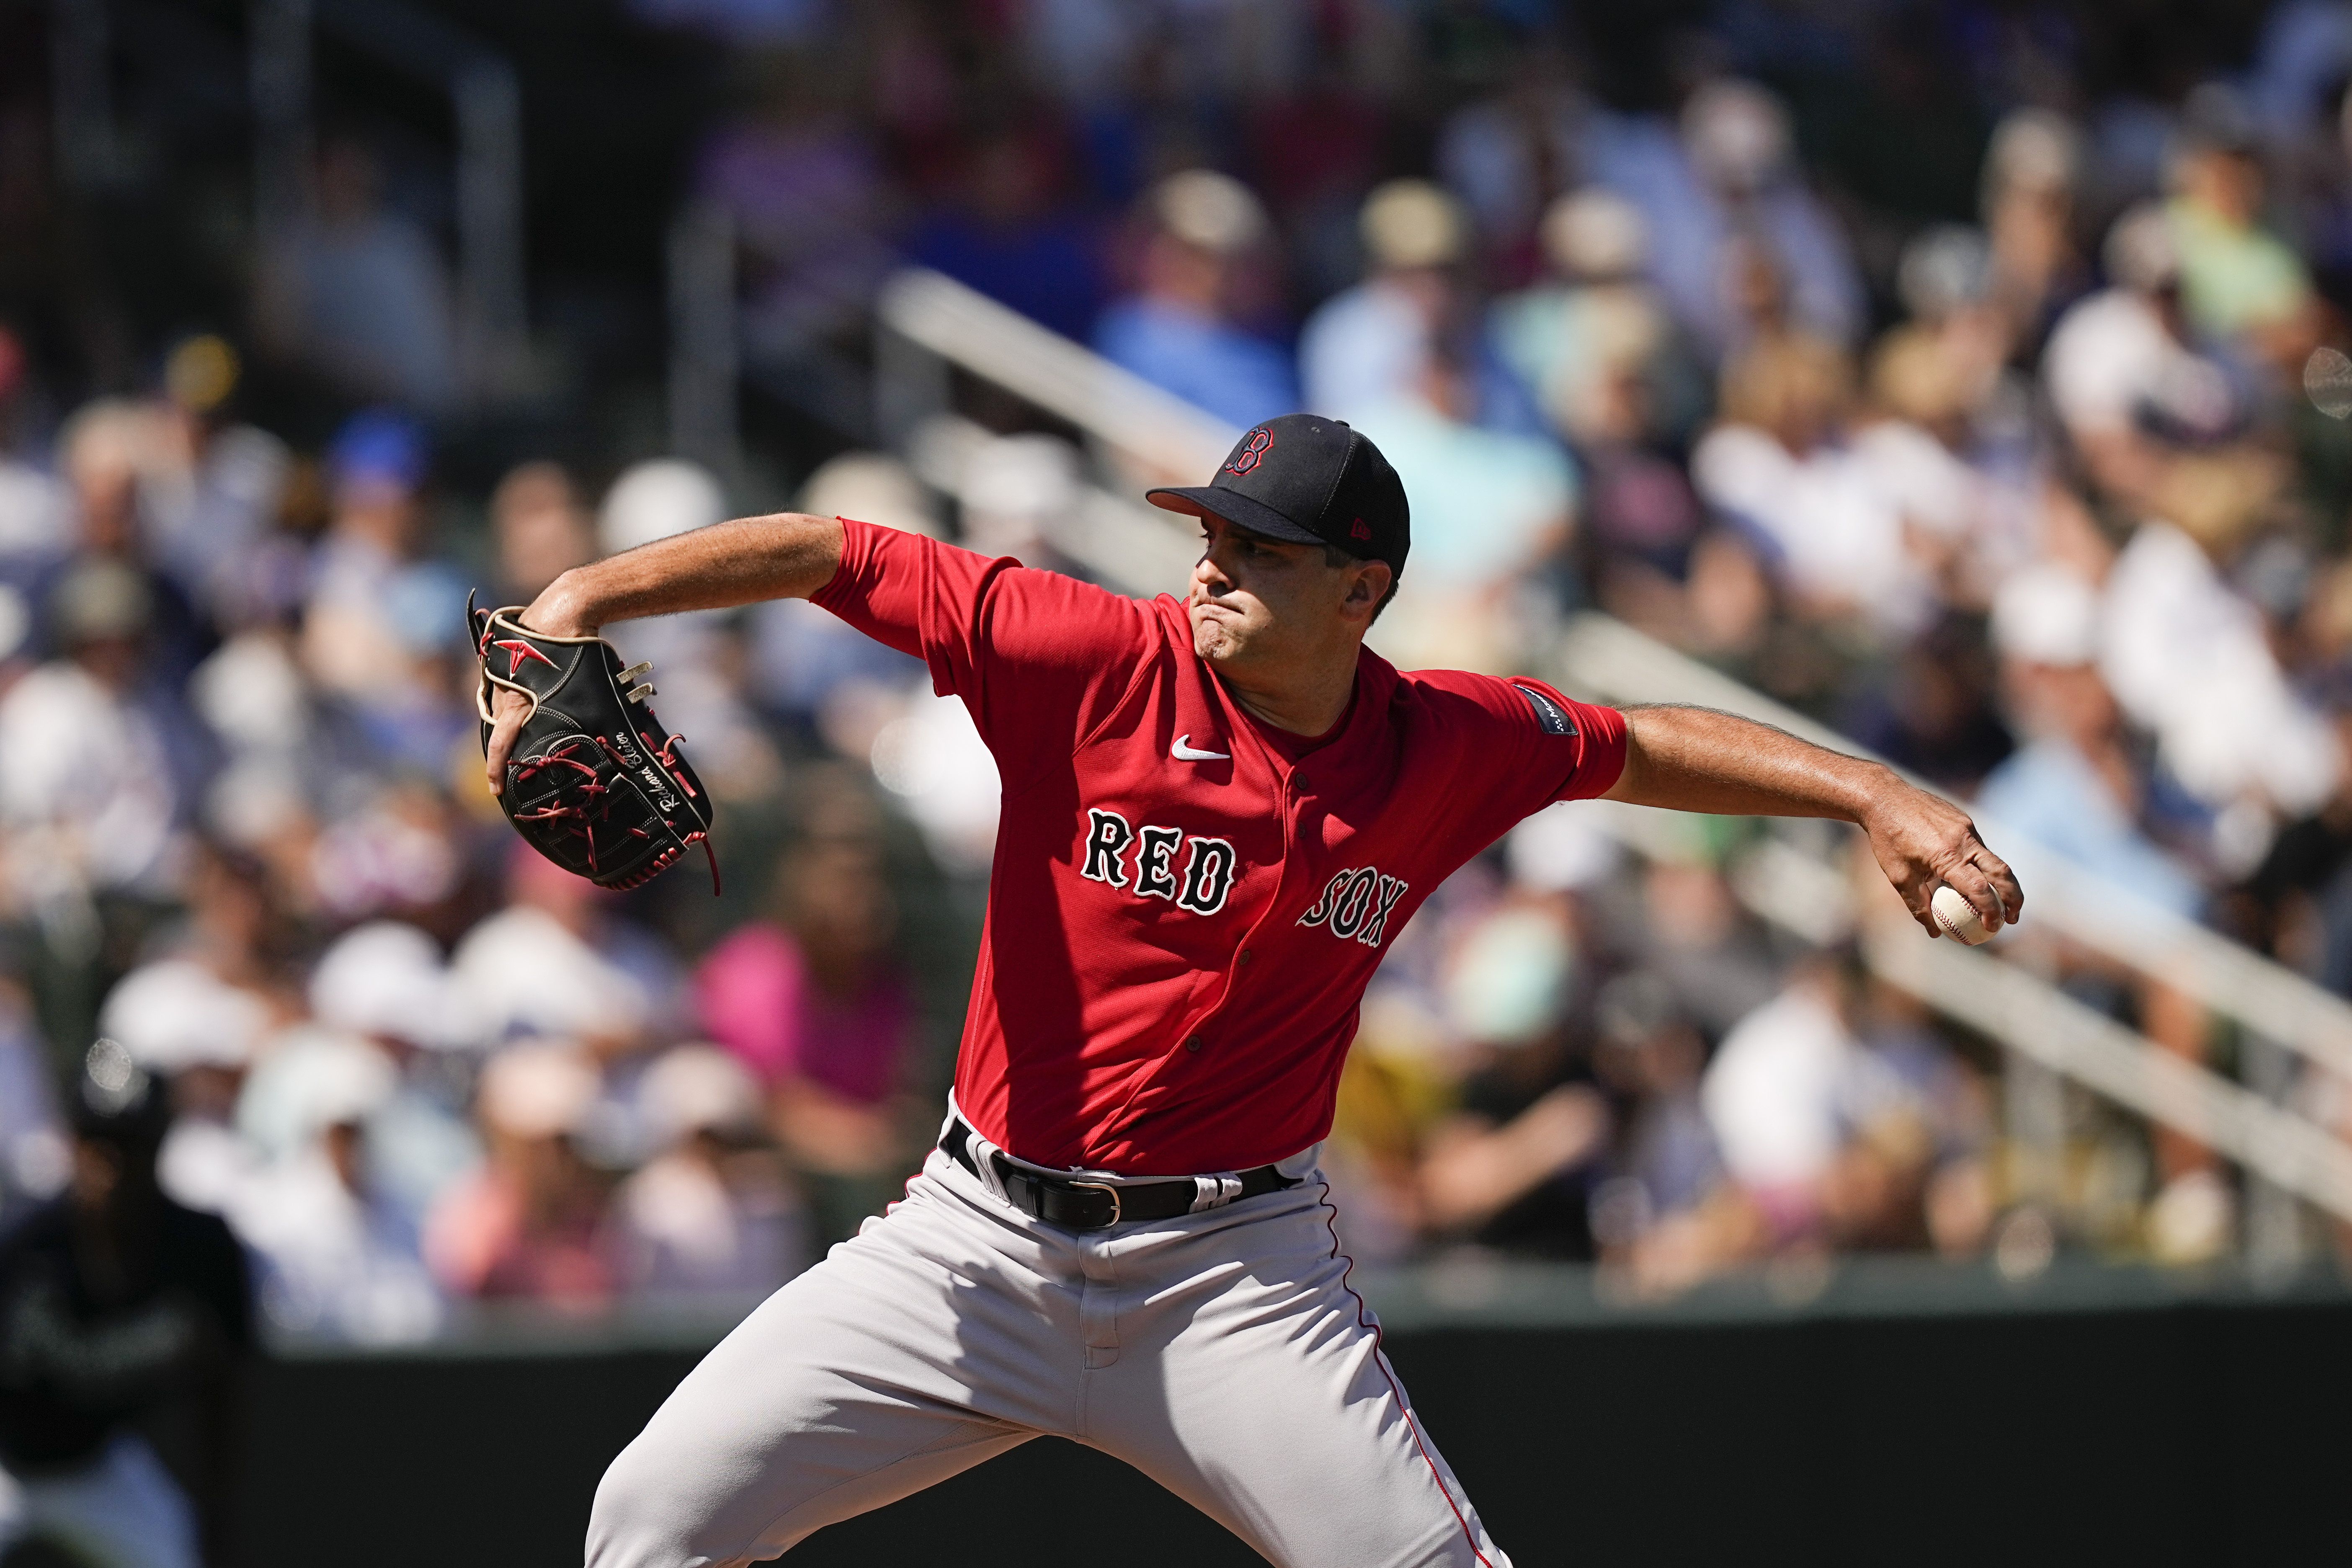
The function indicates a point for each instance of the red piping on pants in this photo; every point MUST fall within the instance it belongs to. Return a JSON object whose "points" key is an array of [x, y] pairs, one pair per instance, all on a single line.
{"points": [[1379, 1359]]}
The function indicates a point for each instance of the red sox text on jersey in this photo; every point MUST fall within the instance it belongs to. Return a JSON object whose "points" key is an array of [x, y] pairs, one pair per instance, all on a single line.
{"points": [[1201, 887]]}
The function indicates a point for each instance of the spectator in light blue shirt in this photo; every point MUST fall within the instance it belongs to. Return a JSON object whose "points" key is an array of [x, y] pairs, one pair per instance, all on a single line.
{"points": [[2072, 787], [1369, 344], [1177, 332]]}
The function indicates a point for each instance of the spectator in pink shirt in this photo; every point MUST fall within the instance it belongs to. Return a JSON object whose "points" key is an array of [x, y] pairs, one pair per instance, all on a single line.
{"points": [[532, 1223], [814, 1002]]}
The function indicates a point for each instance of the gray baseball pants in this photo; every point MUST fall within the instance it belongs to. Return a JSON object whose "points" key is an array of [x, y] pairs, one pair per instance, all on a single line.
{"points": [[1222, 1353]]}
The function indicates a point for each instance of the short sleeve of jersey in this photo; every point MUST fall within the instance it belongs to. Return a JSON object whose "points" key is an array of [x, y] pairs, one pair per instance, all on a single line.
{"points": [[1039, 658], [1526, 746]]}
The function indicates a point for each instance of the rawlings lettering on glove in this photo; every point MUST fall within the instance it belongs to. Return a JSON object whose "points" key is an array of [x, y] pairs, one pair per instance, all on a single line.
{"points": [[587, 784]]}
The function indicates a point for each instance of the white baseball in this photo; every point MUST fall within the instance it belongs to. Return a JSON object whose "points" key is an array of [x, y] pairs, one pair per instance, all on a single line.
{"points": [[1960, 918]]}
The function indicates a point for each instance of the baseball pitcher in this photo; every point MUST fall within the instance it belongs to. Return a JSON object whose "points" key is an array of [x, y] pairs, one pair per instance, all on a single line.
{"points": [[1219, 810]]}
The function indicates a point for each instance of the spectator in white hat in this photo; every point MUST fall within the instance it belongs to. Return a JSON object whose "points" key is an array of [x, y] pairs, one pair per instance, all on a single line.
{"points": [[711, 1214], [805, 659], [2130, 381], [1732, 182], [382, 985], [339, 1257], [2072, 786], [387, 981], [2192, 661], [181, 1022], [558, 961]]}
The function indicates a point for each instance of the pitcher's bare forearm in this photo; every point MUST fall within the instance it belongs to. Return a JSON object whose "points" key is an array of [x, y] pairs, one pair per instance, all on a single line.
{"points": [[788, 555], [1695, 759]]}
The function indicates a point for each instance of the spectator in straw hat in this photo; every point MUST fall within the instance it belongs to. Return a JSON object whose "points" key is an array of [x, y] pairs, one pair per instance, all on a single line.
{"points": [[1178, 330], [108, 452], [531, 1224], [2032, 176], [1368, 343], [211, 486], [1593, 342]]}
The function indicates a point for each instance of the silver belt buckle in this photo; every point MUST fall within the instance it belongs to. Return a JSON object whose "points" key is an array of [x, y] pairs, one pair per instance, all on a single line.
{"points": [[1103, 1187]]}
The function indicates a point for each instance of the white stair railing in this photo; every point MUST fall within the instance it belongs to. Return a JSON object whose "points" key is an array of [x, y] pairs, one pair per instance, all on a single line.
{"points": [[1609, 660]]}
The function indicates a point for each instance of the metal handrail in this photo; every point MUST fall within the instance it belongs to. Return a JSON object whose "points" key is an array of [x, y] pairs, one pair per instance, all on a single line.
{"points": [[2041, 1022], [1114, 405], [1609, 659], [1121, 542], [2023, 1012]]}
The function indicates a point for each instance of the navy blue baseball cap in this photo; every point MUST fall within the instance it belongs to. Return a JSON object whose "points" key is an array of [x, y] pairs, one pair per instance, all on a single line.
{"points": [[1305, 480]]}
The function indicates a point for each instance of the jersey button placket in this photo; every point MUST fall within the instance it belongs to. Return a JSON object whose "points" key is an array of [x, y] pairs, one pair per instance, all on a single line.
{"points": [[1192, 1043]]}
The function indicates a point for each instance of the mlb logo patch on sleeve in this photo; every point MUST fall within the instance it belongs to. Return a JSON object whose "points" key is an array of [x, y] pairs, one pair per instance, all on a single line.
{"points": [[1549, 714]]}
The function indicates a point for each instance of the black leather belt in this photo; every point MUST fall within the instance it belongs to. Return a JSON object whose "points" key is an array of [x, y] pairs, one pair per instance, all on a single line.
{"points": [[1076, 1204]]}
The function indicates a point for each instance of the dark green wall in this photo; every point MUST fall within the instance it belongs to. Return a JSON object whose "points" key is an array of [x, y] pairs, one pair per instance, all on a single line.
{"points": [[2199, 1434]]}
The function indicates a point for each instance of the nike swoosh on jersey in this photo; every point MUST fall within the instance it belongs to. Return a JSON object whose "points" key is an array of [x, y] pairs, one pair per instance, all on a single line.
{"points": [[1184, 753]]}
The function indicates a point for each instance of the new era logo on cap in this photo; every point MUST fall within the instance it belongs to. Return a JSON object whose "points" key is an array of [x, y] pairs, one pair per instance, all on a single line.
{"points": [[1308, 480]]}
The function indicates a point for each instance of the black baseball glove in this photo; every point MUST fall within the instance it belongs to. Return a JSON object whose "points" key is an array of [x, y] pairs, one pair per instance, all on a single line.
{"points": [[587, 785]]}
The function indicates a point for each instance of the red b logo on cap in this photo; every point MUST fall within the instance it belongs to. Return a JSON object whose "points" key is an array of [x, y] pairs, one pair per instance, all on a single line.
{"points": [[1253, 451], [1360, 532]]}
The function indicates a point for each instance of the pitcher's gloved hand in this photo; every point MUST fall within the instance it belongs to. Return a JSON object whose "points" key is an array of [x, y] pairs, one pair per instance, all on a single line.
{"points": [[591, 780]]}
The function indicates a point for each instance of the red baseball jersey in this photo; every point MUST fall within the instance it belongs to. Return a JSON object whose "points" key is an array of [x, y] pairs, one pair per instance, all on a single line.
{"points": [[1180, 921]]}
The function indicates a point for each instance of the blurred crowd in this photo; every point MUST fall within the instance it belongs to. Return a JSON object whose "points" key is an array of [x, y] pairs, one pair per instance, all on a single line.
{"points": [[247, 841], [1940, 371]]}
